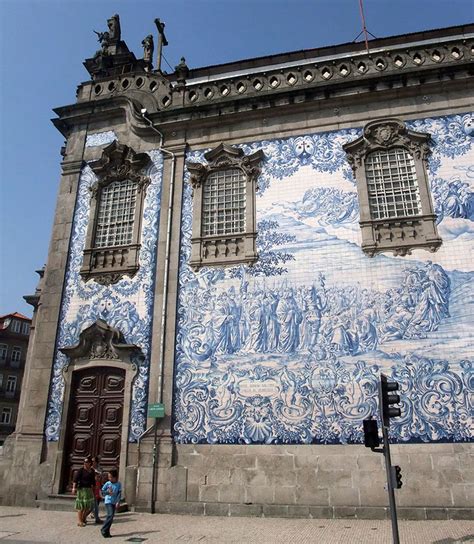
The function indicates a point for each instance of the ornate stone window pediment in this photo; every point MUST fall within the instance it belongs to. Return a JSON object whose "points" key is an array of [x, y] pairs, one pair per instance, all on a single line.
{"points": [[101, 341], [396, 210], [224, 218], [117, 199]]}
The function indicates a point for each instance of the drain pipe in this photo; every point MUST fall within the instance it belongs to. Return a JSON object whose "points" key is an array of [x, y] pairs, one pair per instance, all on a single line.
{"points": [[165, 297]]}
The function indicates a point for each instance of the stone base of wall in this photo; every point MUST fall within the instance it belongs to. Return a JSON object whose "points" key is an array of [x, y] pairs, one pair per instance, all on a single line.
{"points": [[316, 512], [24, 476], [314, 481], [270, 481]]}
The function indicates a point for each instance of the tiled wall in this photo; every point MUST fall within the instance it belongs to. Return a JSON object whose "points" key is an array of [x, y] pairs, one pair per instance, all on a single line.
{"points": [[290, 350], [126, 305]]}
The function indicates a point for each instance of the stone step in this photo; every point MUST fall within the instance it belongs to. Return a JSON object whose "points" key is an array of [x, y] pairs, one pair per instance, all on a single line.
{"points": [[65, 503], [56, 504]]}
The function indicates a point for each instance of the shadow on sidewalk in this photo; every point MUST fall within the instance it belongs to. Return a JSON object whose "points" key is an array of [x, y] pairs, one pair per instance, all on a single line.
{"points": [[466, 538], [135, 533]]}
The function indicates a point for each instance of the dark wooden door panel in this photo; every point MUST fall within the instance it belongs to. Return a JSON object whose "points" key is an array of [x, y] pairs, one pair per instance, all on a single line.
{"points": [[95, 419]]}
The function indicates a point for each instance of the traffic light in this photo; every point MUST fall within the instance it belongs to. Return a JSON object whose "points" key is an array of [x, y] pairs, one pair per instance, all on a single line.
{"points": [[371, 433], [396, 473], [386, 399]]}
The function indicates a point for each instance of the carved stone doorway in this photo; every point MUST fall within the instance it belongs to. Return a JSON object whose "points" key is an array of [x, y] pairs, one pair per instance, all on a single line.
{"points": [[94, 424]]}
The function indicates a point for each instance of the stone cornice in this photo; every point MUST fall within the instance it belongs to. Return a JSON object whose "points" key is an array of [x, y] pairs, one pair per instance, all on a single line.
{"points": [[401, 60], [400, 65]]}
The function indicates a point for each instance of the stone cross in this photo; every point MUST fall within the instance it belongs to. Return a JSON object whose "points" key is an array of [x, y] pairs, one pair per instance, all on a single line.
{"points": [[161, 42]]}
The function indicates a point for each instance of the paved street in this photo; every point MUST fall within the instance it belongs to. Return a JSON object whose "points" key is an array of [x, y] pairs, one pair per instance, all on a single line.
{"points": [[29, 525]]}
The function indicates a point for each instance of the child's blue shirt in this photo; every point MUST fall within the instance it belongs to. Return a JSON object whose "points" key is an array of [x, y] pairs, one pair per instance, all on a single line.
{"points": [[114, 497]]}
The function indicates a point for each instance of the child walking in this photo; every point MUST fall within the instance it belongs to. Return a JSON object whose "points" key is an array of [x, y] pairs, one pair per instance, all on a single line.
{"points": [[97, 497], [111, 491]]}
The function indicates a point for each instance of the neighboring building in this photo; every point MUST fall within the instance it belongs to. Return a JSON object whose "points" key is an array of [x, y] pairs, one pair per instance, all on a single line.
{"points": [[14, 334], [251, 244]]}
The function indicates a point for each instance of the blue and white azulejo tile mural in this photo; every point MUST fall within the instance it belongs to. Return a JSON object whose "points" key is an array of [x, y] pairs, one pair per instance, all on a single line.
{"points": [[289, 350], [126, 305]]}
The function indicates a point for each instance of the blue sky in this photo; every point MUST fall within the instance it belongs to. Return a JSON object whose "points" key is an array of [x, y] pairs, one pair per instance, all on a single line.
{"points": [[44, 42]]}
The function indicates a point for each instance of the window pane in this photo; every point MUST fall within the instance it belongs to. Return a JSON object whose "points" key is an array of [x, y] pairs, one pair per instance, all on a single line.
{"points": [[6, 415], [16, 353], [11, 384], [224, 203], [116, 214], [392, 184], [16, 325]]}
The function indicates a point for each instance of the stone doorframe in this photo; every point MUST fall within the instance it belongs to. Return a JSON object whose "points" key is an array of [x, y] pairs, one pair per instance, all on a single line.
{"points": [[100, 345]]}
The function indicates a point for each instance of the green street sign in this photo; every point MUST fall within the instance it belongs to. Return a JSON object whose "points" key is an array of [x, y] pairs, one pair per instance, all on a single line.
{"points": [[156, 410]]}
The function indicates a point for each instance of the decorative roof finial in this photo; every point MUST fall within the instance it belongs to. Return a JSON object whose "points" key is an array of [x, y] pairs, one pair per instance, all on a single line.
{"points": [[182, 71]]}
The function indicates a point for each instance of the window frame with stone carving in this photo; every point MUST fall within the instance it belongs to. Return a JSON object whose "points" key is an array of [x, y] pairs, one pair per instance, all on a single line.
{"points": [[108, 264], [226, 248], [404, 178]]}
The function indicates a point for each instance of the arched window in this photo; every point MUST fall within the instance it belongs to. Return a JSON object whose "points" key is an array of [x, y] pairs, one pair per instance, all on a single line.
{"points": [[396, 210], [224, 224]]}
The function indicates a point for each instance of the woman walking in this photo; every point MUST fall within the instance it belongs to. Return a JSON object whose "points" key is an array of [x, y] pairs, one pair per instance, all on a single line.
{"points": [[82, 487]]}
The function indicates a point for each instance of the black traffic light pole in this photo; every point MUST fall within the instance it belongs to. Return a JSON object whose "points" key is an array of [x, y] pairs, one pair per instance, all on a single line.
{"points": [[391, 491], [386, 412]]}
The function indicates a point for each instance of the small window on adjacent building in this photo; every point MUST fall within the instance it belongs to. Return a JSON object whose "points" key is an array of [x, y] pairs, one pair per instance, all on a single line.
{"points": [[3, 351], [16, 356], [11, 384], [396, 210], [224, 225], [113, 235], [16, 326], [6, 416], [1, 380], [25, 328]]}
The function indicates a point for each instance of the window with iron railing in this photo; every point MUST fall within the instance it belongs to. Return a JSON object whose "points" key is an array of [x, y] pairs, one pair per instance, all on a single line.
{"points": [[115, 218], [224, 203], [392, 184], [389, 162], [224, 228]]}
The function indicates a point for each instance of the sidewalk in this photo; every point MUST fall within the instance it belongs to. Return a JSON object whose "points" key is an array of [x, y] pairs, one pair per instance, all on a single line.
{"points": [[31, 525]]}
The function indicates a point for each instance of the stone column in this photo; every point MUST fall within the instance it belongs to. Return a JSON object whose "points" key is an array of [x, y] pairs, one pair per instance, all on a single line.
{"points": [[161, 378], [27, 447]]}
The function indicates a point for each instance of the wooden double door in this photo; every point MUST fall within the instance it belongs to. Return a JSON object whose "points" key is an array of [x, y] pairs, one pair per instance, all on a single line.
{"points": [[94, 425]]}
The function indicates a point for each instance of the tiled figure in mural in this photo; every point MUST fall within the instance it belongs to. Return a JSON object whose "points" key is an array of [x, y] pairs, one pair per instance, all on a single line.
{"points": [[313, 305], [432, 289], [289, 317]]}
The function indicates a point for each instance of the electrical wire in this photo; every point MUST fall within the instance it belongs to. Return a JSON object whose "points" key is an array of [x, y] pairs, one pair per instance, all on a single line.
{"points": [[164, 58]]}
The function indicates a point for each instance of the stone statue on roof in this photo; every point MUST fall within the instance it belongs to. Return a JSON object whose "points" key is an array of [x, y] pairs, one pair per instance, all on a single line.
{"points": [[148, 48], [114, 28], [104, 39]]}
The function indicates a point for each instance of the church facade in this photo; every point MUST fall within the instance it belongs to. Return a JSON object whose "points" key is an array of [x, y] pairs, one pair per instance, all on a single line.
{"points": [[250, 245]]}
